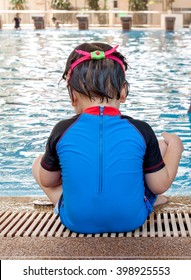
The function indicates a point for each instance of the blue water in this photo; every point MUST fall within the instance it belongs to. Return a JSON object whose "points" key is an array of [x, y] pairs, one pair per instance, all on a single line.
{"points": [[31, 103]]}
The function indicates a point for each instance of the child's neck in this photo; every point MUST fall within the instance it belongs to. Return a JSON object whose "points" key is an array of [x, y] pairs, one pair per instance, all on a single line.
{"points": [[97, 102], [84, 103]]}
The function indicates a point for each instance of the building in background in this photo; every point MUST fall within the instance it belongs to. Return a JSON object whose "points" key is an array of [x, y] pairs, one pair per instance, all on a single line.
{"points": [[158, 5], [117, 8]]}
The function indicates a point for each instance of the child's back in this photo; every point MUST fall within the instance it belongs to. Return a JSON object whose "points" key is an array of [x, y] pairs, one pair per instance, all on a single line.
{"points": [[101, 156]]}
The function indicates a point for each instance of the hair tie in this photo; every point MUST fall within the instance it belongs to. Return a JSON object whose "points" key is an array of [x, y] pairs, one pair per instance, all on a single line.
{"points": [[97, 55]]}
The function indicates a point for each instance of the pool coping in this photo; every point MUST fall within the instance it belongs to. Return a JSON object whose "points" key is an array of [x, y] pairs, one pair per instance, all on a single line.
{"points": [[23, 203], [54, 248]]}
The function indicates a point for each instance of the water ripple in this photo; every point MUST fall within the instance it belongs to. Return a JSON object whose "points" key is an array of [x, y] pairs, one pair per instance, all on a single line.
{"points": [[31, 102]]}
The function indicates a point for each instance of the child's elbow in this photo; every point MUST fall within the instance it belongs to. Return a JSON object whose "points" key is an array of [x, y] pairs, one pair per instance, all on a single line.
{"points": [[158, 182], [49, 179]]}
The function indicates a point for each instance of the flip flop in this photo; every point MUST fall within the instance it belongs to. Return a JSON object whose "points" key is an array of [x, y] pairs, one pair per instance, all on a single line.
{"points": [[43, 203]]}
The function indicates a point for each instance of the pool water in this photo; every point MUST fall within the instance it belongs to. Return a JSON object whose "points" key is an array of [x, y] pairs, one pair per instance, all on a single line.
{"points": [[31, 103]]}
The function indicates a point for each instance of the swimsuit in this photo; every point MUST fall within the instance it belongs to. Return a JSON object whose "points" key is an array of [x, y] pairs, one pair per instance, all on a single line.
{"points": [[102, 156], [17, 22]]}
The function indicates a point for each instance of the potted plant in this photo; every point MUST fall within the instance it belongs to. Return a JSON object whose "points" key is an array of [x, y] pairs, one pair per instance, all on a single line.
{"points": [[93, 4], [139, 5], [62, 5], [18, 4]]}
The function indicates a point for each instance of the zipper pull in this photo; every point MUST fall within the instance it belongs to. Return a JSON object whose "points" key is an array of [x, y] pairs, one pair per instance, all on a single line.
{"points": [[101, 110]]}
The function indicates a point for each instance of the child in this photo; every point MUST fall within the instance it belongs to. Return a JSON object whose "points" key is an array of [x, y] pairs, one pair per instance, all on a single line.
{"points": [[103, 170]]}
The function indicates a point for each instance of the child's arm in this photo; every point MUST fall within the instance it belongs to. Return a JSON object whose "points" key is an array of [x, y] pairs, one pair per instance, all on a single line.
{"points": [[45, 178], [49, 179], [158, 182]]}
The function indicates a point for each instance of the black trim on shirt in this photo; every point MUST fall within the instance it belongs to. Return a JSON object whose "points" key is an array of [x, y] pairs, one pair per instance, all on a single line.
{"points": [[50, 160], [152, 160]]}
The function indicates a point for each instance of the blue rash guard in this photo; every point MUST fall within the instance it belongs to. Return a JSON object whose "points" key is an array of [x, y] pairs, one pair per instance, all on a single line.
{"points": [[103, 156]]}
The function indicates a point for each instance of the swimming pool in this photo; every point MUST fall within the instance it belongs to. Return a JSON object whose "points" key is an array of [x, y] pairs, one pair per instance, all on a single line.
{"points": [[31, 103]]}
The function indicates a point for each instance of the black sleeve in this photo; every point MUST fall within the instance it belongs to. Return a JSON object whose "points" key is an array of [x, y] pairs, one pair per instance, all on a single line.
{"points": [[50, 160], [152, 160]]}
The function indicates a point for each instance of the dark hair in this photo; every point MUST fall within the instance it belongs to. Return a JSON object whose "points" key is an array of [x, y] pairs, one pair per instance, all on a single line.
{"points": [[102, 78]]}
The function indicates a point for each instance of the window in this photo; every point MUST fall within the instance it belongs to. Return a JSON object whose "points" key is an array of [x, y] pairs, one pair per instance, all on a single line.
{"points": [[115, 4]]}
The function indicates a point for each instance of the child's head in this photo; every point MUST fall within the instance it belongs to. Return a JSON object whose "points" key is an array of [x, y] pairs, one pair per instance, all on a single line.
{"points": [[94, 74]]}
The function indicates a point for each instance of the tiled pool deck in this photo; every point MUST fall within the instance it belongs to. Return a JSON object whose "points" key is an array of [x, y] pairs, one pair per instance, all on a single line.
{"points": [[124, 247]]}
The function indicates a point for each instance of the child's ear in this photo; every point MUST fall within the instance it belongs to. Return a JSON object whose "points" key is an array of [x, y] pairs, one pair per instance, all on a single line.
{"points": [[74, 99], [124, 92]]}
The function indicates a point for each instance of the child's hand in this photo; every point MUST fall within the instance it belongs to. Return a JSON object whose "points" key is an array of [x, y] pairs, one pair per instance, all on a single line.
{"points": [[173, 139]]}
